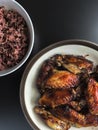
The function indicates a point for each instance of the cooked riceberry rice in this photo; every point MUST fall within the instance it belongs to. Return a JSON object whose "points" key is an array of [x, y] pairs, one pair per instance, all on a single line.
{"points": [[13, 38]]}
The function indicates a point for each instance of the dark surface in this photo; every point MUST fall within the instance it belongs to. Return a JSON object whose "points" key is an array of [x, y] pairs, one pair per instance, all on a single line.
{"points": [[54, 20]]}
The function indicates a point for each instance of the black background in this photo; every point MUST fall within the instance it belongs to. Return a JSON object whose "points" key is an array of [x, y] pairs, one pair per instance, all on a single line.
{"points": [[53, 20]]}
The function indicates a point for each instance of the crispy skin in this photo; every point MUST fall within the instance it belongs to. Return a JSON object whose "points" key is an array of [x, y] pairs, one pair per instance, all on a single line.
{"points": [[62, 118], [52, 121], [62, 79], [45, 71], [92, 96], [73, 63], [71, 115], [55, 98], [78, 63], [75, 118]]}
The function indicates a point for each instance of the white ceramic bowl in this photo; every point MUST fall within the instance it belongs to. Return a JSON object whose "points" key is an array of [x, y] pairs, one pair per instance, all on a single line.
{"points": [[28, 89], [12, 4]]}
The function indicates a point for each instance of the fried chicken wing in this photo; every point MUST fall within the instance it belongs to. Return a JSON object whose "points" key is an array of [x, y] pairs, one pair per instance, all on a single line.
{"points": [[62, 80], [92, 96], [74, 117], [77, 64], [55, 98], [52, 121], [46, 69]]}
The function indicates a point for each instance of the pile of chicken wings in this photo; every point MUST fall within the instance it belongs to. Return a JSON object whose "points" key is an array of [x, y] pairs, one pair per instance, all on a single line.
{"points": [[68, 87]]}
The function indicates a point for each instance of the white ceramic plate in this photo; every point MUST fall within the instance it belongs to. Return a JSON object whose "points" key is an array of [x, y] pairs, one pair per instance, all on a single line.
{"points": [[28, 90]]}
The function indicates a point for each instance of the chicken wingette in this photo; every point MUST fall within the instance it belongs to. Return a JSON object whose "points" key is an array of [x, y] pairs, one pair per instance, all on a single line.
{"points": [[78, 64], [66, 113], [92, 96], [52, 121], [75, 118], [62, 80], [73, 63], [54, 98]]}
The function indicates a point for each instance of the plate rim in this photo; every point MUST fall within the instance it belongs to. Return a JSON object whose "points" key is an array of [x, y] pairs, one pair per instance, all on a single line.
{"points": [[33, 60]]}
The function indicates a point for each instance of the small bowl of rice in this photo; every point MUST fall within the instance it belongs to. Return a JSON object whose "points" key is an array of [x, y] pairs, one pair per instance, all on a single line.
{"points": [[16, 36]]}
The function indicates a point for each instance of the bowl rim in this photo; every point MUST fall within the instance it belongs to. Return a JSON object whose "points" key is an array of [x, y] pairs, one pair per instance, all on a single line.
{"points": [[33, 61], [24, 59]]}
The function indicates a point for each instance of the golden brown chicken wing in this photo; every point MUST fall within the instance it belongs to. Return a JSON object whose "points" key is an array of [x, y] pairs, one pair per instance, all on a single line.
{"points": [[53, 98], [62, 80], [45, 71], [67, 113], [75, 118], [92, 96], [77, 64], [52, 121], [73, 63]]}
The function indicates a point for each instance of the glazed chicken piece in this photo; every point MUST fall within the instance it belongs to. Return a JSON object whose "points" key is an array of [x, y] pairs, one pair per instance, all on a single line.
{"points": [[46, 69], [67, 113], [75, 64], [92, 96], [62, 80], [52, 121], [62, 118], [54, 98], [75, 118]]}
